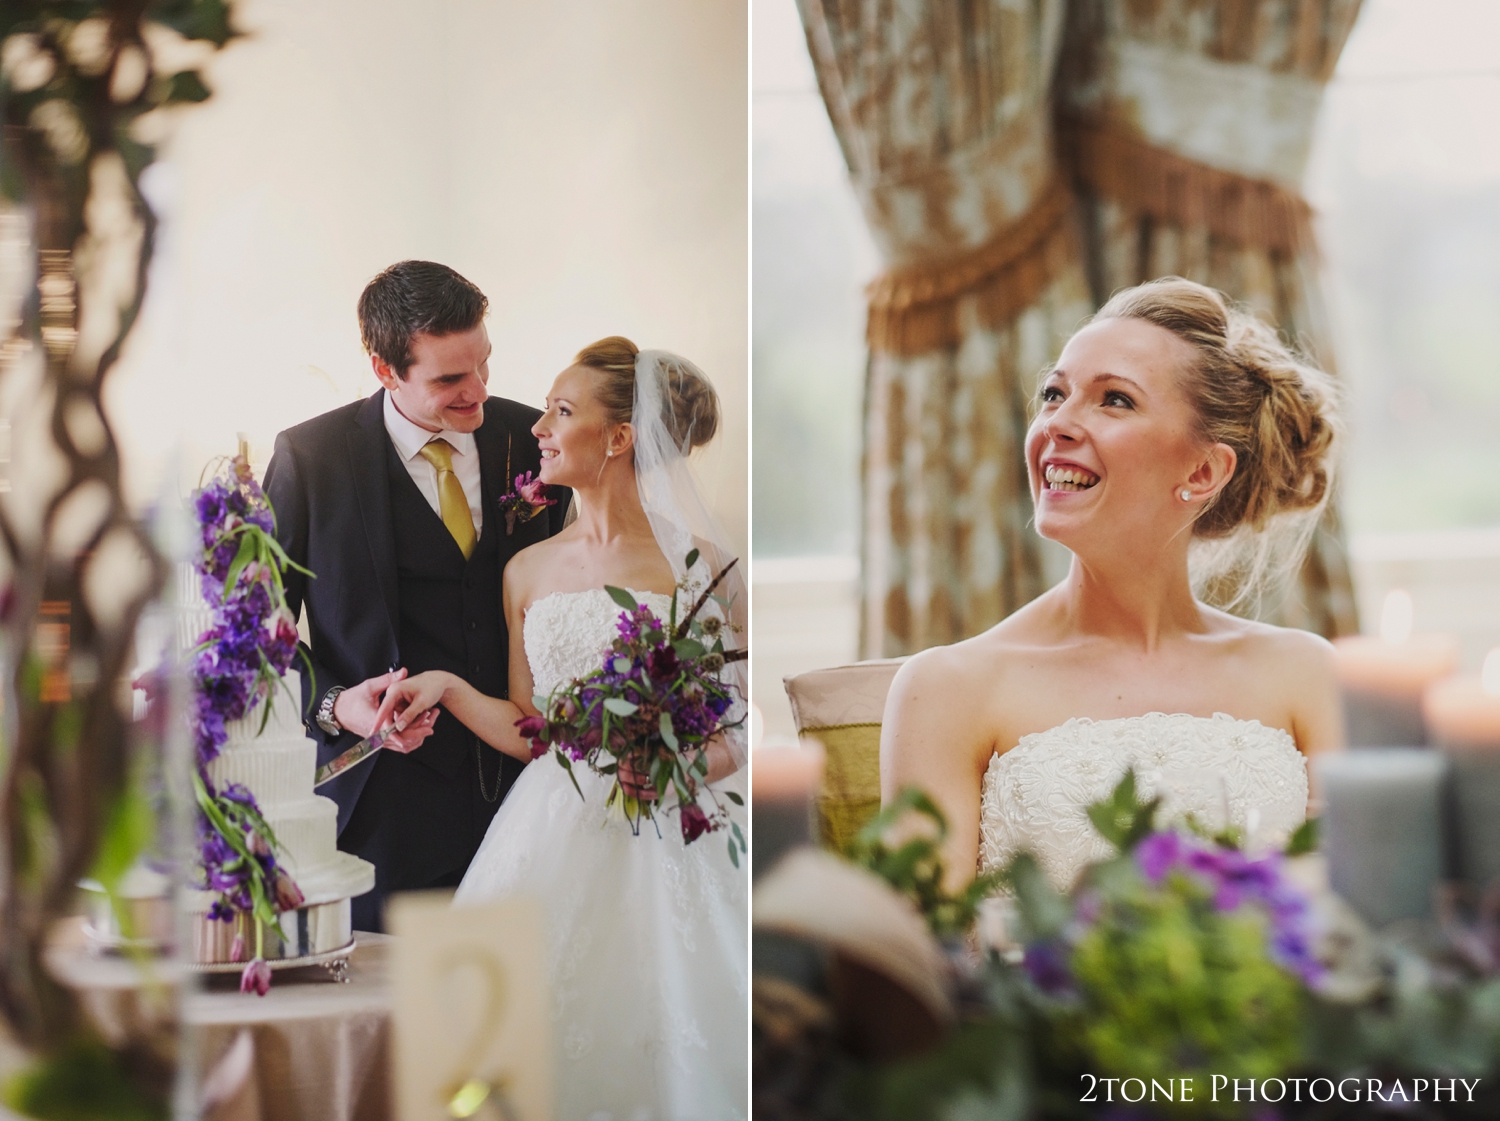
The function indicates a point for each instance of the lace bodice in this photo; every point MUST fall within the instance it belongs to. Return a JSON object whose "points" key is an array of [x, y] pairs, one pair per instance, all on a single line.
{"points": [[1221, 770], [566, 633]]}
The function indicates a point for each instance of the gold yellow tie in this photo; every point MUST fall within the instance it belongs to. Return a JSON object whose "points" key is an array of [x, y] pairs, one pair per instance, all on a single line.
{"points": [[451, 500]]}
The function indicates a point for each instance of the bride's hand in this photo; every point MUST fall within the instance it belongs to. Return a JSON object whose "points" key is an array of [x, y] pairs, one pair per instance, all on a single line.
{"points": [[636, 783], [411, 704]]}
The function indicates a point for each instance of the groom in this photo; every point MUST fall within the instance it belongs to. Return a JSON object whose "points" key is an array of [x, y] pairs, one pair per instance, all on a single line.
{"points": [[392, 502]]}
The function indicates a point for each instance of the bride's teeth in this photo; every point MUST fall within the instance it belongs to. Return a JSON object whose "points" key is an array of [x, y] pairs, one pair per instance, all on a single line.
{"points": [[1070, 478]]}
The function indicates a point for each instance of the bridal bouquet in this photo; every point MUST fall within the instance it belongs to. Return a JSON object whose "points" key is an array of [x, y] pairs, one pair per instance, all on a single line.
{"points": [[645, 716]]}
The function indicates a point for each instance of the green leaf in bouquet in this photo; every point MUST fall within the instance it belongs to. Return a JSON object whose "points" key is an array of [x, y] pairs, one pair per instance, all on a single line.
{"points": [[1122, 819], [668, 734], [1304, 839], [540, 702], [621, 665], [622, 597], [733, 797], [692, 559], [661, 776], [738, 836], [734, 856], [620, 706], [1043, 909], [689, 649], [243, 557], [567, 765]]}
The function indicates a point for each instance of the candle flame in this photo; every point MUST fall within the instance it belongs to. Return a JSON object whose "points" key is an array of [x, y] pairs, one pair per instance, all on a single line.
{"points": [[1396, 616], [1489, 676]]}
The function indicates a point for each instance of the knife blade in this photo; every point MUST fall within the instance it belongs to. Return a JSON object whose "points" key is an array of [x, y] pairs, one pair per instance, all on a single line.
{"points": [[352, 757]]}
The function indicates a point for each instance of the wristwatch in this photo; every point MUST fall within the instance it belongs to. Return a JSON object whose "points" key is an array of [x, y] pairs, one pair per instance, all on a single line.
{"points": [[324, 716]]}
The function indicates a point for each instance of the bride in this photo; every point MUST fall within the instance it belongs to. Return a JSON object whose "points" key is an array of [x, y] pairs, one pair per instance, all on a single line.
{"points": [[649, 957], [1173, 425]]}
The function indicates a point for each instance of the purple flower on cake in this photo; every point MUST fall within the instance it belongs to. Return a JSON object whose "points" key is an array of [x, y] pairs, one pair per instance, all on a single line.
{"points": [[238, 663], [256, 978]]}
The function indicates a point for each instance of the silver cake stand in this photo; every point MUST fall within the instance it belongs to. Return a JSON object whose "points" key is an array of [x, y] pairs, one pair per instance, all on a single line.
{"points": [[334, 962]]}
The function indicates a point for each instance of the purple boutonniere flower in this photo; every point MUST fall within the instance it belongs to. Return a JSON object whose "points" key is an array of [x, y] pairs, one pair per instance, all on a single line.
{"points": [[526, 501]]}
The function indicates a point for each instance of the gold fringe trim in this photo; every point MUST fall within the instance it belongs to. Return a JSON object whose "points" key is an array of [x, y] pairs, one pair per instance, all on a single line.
{"points": [[1175, 190], [915, 309]]}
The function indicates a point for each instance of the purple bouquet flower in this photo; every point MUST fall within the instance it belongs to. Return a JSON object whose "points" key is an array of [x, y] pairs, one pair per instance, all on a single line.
{"points": [[644, 718]]}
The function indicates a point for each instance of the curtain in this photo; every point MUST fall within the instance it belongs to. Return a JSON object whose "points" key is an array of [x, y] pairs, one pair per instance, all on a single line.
{"points": [[1017, 161], [943, 114], [1186, 126]]}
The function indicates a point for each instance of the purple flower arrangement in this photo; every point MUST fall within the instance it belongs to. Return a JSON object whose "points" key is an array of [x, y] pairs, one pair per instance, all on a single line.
{"points": [[237, 663], [1234, 880], [644, 718]]}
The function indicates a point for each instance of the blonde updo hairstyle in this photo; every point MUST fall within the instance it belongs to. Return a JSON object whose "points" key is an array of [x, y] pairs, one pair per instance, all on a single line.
{"points": [[690, 408], [1277, 411]]}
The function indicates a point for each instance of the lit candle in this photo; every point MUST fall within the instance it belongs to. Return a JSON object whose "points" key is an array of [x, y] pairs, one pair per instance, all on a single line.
{"points": [[784, 780], [1384, 677], [1382, 829], [1463, 715]]}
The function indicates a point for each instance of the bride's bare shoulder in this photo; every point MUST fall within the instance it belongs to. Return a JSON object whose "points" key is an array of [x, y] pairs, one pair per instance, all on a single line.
{"points": [[1274, 647], [971, 671]]}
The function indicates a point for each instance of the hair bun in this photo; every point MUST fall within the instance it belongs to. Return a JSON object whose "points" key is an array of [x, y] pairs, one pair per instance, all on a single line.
{"points": [[691, 407]]}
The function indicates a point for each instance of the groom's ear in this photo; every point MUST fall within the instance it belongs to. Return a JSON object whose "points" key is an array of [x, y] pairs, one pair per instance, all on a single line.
{"points": [[384, 372]]}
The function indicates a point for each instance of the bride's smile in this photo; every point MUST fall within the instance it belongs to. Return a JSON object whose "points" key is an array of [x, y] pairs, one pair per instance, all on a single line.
{"points": [[1116, 444], [576, 441]]}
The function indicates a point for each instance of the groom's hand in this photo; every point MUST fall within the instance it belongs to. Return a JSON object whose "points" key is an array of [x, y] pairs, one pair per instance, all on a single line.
{"points": [[357, 708]]}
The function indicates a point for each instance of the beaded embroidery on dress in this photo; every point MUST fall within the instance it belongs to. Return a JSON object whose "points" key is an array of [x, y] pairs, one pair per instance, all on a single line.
{"points": [[649, 960], [1221, 770]]}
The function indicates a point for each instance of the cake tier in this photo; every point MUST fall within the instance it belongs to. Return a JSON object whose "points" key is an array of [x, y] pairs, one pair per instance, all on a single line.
{"points": [[194, 616], [285, 723], [344, 877], [278, 772], [307, 831]]}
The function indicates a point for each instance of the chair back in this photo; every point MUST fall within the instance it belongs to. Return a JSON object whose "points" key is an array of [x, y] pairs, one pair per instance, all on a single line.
{"points": [[841, 707]]}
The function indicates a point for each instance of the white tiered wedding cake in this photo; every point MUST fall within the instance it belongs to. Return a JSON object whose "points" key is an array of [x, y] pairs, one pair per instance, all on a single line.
{"points": [[276, 763]]}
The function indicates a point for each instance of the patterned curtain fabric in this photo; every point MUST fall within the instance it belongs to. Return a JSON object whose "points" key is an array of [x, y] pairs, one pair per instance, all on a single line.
{"points": [[1186, 126], [1007, 205], [943, 113]]}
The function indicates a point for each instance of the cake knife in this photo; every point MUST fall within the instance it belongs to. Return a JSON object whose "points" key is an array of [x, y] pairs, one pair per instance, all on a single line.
{"points": [[355, 755]]}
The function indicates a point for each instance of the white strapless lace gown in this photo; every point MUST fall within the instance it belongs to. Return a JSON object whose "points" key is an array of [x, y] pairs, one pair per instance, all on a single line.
{"points": [[649, 952], [1221, 770]]}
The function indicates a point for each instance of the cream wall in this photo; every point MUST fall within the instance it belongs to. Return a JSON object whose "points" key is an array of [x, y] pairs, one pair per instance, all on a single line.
{"points": [[584, 163]]}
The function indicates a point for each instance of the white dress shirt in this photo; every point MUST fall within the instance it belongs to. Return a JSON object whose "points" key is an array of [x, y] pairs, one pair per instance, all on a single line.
{"points": [[409, 440]]}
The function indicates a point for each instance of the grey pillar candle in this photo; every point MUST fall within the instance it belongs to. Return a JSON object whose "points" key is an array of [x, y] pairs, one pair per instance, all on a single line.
{"points": [[1383, 829], [784, 780], [1463, 714], [1382, 678]]}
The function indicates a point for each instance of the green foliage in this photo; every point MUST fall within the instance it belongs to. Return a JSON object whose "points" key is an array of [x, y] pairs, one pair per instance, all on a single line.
{"points": [[1305, 838], [1122, 819], [84, 1081], [1173, 988], [127, 833], [914, 867]]}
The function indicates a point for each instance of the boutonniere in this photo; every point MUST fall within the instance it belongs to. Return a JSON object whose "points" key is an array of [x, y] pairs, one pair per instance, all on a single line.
{"points": [[525, 502]]}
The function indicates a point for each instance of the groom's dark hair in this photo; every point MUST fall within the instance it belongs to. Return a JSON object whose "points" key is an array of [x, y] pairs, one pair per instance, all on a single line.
{"points": [[411, 297]]}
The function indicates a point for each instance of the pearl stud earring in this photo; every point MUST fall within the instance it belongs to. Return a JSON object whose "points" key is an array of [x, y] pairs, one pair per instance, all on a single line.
{"points": [[1187, 495]]}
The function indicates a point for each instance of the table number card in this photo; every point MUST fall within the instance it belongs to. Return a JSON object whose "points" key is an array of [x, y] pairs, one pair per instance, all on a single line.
{"points": [[473, 1029]]}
